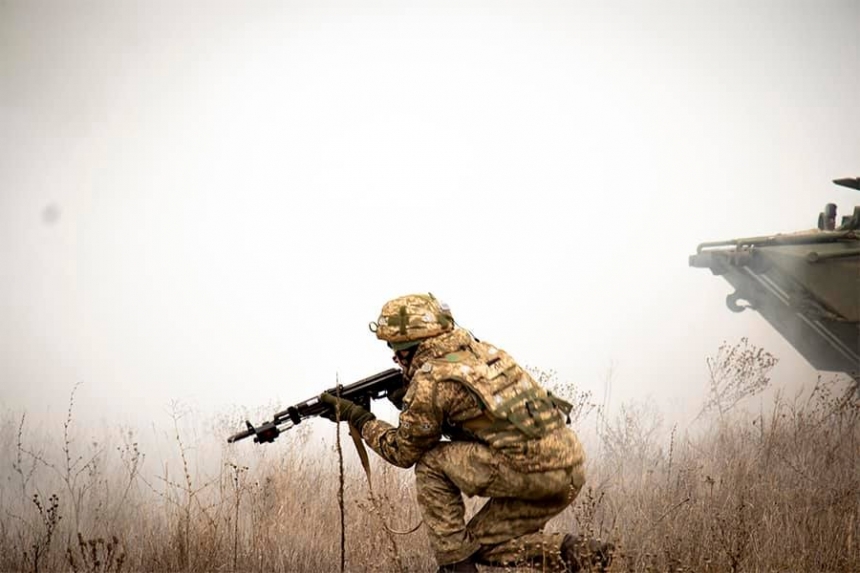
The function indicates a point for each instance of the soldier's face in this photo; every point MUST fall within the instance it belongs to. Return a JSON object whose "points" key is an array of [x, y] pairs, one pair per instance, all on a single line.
{"points": [[401, 358]]}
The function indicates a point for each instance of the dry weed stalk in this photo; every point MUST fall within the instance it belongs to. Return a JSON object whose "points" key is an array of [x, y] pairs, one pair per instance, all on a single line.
{"points": [[237, 473], [95, 555], [25, 474], [340, 481], [736, 372], [49, 518]]}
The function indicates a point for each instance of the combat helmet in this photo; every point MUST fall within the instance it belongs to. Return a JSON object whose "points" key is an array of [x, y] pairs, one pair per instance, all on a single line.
{"points": [[407, 320]]}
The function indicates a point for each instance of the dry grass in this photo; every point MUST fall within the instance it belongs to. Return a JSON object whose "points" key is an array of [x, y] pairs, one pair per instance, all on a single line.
{"points": [[775, 491]]}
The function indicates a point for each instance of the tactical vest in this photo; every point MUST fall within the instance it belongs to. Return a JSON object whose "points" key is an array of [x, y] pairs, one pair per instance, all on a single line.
{"points": [[507, 393]]}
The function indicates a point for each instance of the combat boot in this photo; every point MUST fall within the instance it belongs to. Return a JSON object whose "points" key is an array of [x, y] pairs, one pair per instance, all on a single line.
{"points": [[465, 566], [584, 555]]}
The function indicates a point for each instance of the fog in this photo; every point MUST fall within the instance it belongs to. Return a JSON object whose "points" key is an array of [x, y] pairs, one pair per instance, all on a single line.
{"points": [[207, 202]]}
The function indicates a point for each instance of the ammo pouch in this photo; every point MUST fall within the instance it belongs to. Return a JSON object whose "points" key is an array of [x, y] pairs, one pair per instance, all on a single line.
{"points": [[563, 406]]}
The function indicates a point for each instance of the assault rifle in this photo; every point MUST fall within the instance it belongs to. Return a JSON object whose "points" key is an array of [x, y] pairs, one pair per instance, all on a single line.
{"points": [[361, 392]]}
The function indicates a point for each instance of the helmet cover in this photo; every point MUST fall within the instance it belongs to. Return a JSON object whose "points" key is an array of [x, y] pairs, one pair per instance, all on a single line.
{"points": [[407, 320]]}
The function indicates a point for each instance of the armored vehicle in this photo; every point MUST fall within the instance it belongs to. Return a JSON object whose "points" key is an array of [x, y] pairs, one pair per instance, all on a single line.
{"points": [[806, 284]]}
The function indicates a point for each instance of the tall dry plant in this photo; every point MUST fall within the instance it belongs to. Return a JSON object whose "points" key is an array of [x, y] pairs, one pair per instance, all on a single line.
{"points": [[737, 371]]}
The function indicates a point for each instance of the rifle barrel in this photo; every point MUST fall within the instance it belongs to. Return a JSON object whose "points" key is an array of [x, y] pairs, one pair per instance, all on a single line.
{"points": [[372, 387]]}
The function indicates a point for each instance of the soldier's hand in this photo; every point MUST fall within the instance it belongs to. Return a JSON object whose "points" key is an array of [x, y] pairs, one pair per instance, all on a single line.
{"points": [[396, 397], [349, 411]]}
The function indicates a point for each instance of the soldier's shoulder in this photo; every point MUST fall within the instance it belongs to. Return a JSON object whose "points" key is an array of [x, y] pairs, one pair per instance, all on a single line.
{"points": [[451, 366]]}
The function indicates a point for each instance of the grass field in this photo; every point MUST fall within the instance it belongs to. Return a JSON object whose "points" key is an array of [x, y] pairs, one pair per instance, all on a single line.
{"points": [[778, 490]]}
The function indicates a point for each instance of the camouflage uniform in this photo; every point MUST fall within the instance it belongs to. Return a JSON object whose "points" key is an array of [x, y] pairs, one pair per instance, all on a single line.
{"points": [[507, 442]]}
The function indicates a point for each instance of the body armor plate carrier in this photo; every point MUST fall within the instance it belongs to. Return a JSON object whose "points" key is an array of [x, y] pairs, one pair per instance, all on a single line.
{"points": [[507, 393]]}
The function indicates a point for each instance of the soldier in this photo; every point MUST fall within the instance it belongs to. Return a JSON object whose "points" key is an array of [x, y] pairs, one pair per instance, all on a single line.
{"points": [[507, 441]]}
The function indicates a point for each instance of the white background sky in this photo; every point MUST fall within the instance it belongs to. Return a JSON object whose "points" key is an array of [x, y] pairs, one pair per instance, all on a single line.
{"points": [[241, 185]]}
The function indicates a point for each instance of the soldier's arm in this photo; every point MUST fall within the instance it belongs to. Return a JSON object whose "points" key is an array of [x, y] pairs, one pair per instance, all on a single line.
{"points": [[420, 426]]}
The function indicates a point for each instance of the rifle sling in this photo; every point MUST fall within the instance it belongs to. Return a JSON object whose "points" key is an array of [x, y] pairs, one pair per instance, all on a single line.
{"points": [[362, 453], [365, 463]]}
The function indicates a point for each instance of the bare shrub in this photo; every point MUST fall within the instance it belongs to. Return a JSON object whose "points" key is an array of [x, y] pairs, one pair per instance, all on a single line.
{"points": [[737, 371]]}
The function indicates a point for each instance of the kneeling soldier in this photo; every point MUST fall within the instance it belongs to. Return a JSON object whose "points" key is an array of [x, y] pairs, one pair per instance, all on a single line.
{"points": [[508, 442]]}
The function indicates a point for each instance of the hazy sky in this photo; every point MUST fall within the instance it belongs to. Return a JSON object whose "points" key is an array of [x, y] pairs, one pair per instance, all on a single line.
{"points": [[208, 201]]}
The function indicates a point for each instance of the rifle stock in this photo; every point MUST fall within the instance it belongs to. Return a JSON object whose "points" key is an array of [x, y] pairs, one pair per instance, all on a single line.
{"points": [[362, 392]]}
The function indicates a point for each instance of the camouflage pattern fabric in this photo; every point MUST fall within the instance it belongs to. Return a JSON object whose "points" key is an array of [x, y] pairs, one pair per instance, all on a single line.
{"points": [[514, 403], [508, 528], [529, 478], [410, 318]]}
